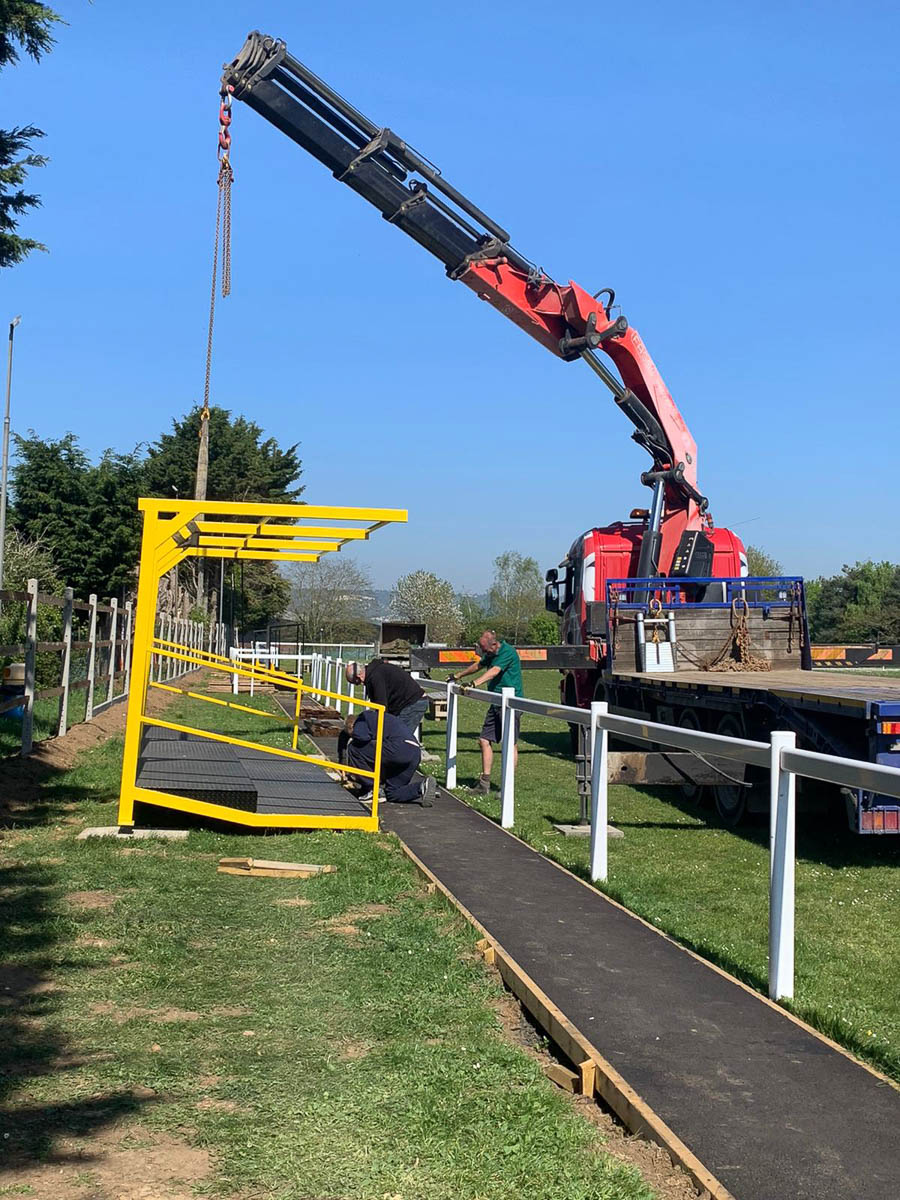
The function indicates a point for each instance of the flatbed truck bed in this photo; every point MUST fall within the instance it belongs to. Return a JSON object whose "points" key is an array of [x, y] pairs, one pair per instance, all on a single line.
{"points": [[814, 687], [852, 718]]}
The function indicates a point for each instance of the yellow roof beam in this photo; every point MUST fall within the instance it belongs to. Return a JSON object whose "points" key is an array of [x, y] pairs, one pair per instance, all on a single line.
{"points": [[186, 509], [263, 528], [260, 555], [258, 543]]}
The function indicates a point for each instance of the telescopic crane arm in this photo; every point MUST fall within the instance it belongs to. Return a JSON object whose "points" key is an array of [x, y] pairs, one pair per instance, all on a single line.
{"points": [[411, 193]]}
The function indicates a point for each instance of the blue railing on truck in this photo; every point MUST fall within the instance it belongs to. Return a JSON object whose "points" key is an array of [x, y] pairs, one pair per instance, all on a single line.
{"points": [[758, 592]]}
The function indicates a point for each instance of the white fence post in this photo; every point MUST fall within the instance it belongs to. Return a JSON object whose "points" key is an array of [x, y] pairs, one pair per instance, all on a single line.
{"points": [[63, 724], [417, 675], [113, 634], [30, 666], [782, 830], [599, 793], [167, 666], [129, 625], [338, 669], [92, 657], [508, 767], [452, 732]]}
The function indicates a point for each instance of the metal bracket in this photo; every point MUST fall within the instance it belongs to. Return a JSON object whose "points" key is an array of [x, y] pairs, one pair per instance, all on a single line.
{"points": [[492, 248], [379, 143], [418, 192], [572, 347]]}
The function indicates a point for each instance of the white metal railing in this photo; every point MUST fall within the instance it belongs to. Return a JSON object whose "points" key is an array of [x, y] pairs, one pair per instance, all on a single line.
{"points": [[321, 671], [779, 756]]}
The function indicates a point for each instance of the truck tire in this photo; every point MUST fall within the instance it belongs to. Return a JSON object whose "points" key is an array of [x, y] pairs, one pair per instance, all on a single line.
{"points": [[694, 793], [731, 798], [571, 702]]}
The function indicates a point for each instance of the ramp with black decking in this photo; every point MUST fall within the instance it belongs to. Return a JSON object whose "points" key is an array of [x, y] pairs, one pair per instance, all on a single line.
{"points": [[772, 1110], [184, 764]]}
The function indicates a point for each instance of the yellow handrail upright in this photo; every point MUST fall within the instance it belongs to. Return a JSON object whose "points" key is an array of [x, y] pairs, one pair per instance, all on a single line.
{"points": [[175, 530]]}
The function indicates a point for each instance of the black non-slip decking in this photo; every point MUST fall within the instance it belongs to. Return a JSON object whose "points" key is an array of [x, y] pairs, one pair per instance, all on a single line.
{"points": [[250, 780], [773, 1111]]}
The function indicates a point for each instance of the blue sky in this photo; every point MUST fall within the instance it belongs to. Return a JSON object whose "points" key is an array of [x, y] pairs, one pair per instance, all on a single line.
{"points": [[730, 169]]}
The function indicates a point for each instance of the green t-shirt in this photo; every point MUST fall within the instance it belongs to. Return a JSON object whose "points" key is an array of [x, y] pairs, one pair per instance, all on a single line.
{"points": [[510, 669]]}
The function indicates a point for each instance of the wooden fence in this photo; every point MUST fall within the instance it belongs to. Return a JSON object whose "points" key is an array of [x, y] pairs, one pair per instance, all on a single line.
{"points": [[94, 655]]}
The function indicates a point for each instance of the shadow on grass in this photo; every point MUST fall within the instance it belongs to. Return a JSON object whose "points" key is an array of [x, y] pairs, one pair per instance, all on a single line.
{"points": [[823, 835], [28, 797], [557, 745], [31, 1042]]}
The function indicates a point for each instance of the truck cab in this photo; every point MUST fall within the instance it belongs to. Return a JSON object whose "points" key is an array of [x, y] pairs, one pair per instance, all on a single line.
{"points": [[577, 590]]}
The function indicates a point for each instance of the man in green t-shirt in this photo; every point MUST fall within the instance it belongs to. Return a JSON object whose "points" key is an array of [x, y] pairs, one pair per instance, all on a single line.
{"points": [[500, 668]]}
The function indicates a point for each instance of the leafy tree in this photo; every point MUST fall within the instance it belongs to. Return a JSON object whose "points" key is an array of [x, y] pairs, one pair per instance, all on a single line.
{"points": [[475, 619], [861, 604], [761, 564], [24, 560], [329, 598], [242, 464], [543, 630], [422, 596], [24, 26], [85, 515], [517, 593], [263, 593]]}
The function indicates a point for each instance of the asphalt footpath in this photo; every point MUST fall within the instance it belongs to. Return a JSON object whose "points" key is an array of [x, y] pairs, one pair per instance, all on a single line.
{"points": [[772, 1110]]}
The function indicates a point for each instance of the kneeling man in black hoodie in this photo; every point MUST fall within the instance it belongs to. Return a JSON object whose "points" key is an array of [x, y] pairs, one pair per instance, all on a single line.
{"points": [[400, 754]]}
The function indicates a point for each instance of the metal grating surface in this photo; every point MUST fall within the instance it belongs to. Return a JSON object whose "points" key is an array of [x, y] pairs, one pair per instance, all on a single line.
{"points": [[184, 764]]}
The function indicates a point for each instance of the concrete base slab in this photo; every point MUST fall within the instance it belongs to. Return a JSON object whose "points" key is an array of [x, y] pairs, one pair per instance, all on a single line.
{"points": [[113, 831], [585, 831]]}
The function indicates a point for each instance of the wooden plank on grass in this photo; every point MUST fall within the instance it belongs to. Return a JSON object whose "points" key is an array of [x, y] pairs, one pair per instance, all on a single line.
{"points": [[272, 869]]}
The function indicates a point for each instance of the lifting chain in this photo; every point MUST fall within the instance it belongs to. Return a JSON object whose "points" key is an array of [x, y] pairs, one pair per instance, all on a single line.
{"points": [[223, 232], [654, 612], [738, 642]]}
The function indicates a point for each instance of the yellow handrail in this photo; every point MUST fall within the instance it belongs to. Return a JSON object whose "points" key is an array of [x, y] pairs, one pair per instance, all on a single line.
{"points": [[256, 712]]}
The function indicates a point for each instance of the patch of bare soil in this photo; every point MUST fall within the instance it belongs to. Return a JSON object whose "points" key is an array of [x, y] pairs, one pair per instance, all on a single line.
{"points": [[90, 900], [344, 924], [352, 1051], [668, 1181], [158, 1016], [294, 902], [117, 1163], [209, 1104]]}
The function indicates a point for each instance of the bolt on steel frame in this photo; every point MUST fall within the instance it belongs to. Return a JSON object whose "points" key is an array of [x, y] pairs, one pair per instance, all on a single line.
{"points": [[183, 529]]}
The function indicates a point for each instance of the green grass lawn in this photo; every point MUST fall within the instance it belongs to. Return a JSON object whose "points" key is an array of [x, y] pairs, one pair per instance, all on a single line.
{"points": [[708, 886], [334, 1037]]}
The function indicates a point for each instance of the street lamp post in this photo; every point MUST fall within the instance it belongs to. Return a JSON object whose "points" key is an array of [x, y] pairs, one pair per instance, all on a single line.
{"points": [[4, 477]]}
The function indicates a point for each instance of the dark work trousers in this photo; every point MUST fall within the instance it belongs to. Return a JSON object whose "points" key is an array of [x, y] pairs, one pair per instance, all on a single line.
{"points": [[412, 715], [397, 775]]}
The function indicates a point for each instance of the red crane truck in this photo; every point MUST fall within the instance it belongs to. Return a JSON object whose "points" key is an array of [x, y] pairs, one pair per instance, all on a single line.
{"points": [[659, 616]]}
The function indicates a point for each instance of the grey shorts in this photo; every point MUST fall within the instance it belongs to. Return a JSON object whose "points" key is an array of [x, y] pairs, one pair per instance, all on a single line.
{"points": [[492, 729]]}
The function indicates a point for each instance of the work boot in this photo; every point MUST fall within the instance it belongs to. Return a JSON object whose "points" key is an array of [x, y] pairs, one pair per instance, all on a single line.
{"points": [[426, 795], [482, 787]]}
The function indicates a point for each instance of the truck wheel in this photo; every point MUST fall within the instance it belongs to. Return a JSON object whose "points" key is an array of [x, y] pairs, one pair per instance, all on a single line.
{"points": [[731, 798], [692, 792], [572, 702]]}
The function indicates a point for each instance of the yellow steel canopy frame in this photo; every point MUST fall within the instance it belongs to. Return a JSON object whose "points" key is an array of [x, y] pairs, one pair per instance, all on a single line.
{"points": [[181, 529]]}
